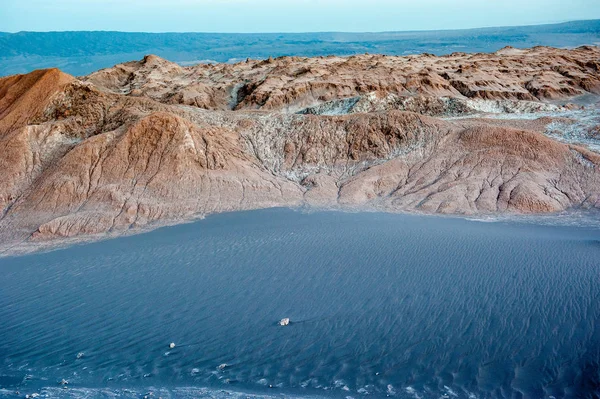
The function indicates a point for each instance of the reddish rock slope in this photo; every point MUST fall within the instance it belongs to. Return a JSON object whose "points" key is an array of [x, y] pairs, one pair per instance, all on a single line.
{"points": [[151, 142]]}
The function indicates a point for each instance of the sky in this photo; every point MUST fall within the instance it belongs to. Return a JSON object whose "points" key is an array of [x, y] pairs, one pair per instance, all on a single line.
{"points": [[285, 15]]}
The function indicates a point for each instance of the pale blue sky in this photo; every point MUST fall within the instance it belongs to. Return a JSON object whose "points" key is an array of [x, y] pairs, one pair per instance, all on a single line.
{"points": [[285, 15]]}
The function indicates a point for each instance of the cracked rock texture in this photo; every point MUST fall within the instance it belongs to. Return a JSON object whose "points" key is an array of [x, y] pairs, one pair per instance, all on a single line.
{"points": [[151, 142]]}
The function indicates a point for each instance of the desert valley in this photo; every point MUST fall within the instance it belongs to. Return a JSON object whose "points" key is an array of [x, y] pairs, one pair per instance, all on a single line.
{"points": [[188, 214]]}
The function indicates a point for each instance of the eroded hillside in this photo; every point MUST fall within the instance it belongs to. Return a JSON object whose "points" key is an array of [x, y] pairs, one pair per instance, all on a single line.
{"points": [[152, 142]]}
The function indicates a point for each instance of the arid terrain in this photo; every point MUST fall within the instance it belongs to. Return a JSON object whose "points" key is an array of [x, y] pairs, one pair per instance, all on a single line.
{"points": [[151, 142], [83, 52]]}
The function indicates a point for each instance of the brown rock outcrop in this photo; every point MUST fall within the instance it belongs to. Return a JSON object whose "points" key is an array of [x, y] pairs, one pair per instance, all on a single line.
{"points": [[295, 83], [24, 97], [151, 142]]}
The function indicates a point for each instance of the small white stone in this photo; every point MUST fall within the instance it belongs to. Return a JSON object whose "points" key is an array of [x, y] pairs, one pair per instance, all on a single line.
{"points": [[284, 322]]}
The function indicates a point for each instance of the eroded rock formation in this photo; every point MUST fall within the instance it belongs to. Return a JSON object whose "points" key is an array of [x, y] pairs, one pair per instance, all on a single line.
{"points": [[151, 141], [295, 83]]}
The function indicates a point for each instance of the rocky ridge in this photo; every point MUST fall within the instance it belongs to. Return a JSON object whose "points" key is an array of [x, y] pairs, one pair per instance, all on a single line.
{"points": [[151, 142]]}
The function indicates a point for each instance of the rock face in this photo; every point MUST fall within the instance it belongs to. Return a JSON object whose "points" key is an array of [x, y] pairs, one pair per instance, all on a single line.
{"points": [[294, 83], [150, 141]]}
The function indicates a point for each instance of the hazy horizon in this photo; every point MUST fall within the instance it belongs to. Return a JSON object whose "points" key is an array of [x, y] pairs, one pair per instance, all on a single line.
{"points": [[303, 32], [293, 16]]}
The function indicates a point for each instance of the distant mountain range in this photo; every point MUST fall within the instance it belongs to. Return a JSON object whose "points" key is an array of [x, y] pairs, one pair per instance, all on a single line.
{"points": [[80, 53]]}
